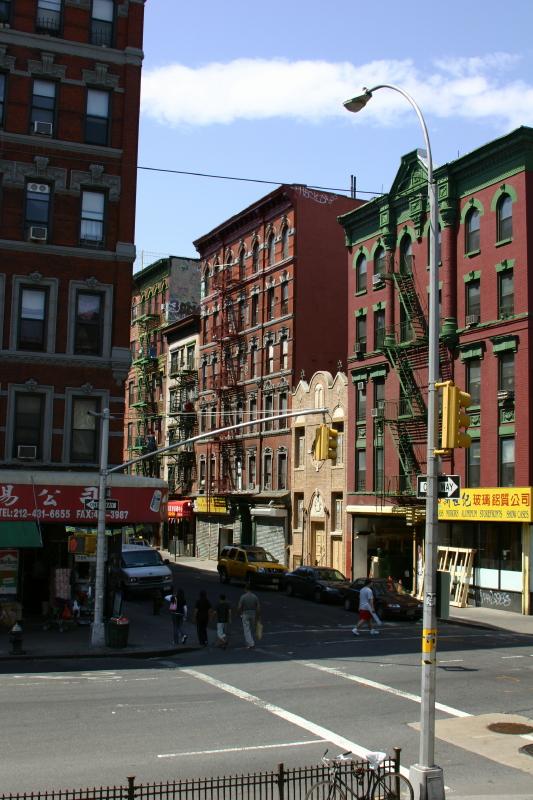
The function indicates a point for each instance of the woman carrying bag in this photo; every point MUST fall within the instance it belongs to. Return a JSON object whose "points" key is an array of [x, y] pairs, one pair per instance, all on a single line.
{"points": [[178, 614]]}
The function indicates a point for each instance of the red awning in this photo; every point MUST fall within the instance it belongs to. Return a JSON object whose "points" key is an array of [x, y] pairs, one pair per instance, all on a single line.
{"points": [[179, 509]]}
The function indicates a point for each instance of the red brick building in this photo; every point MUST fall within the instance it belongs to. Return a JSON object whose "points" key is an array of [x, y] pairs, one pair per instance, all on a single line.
{"points": [[273, 309], [69, 109], [485, 295]]}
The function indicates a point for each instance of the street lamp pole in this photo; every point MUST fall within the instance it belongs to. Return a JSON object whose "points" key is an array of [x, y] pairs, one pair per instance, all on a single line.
{"points": [[426, 776], [98, 627]]}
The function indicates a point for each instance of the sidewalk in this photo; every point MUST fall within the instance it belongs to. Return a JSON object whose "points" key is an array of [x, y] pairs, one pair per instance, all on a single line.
{"points": [[151, 635]]}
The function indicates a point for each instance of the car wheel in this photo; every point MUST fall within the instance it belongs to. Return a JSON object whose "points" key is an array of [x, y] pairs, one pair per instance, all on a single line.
{"points": [[224, 577], [317, 596], [348, 604], [289, 590]]}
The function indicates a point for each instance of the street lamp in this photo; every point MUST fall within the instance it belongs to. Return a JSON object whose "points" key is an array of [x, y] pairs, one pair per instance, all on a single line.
{"points": [[425, 775]]}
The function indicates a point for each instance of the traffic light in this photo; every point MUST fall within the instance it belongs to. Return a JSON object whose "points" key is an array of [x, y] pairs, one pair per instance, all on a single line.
{"points": [[454, 416], [332, 436], [325, 444]]}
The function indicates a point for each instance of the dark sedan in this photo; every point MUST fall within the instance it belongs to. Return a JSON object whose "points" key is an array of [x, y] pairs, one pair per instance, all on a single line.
{"points": [[322, 584], [389, 602]]}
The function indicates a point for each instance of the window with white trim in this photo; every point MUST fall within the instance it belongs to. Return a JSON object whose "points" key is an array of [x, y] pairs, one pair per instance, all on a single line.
{"points": [[92, 218], [49, 15], [102, 16], [97, 117], [28, 424], [84, 439], [43, 107], [33, 318], [89, 323]]}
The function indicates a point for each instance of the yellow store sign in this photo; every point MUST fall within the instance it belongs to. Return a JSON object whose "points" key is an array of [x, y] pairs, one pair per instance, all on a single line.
{"points": [[211, 505], [510, 504]]}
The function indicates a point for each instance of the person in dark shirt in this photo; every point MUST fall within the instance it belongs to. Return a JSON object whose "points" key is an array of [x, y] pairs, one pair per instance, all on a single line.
{"points": [[201, 617], [223, 614]]}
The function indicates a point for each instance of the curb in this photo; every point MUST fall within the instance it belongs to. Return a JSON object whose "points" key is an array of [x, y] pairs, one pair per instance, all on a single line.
{"points": [[99, 654], [486, 626]]}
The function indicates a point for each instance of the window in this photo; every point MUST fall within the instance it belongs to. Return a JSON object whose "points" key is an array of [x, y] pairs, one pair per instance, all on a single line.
{"points": [[339, 460], [299, 447], [360, 274], [29, 415], [360, 401], [336, 508], [255, 256], [282, 403], [201, 473], [406, 326], [472, 225], [88, 324], [2, 97], [241, 311], [33, 314], [213, 423], [506, 294], [37, 209], [473, 298], [267, 471], [504, 218], [284, 297], [253, 361], [379, 329], [102, 22], [473, 380], [507, 461], [473, 464], [255, 309], [298, 511], [506, 379], [271, 249], [252, 412], [205, 283], [269, 366], [242, 265], [360, 470], [270, 302], [92, 218], [49, 15], [406, 256], [360, 335], [252, 478], [269, 408], [378, 469], [379, 261], [131, 393], [379, 393], [43, 104], [238, 474], [5, 10], [97, 117], [284, 356], [282, 470], [84, 432], [285, 242], [212, 472]]}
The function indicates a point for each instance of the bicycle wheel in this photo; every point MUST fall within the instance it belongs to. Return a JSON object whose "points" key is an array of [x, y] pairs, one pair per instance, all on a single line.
{"points": [[325, 790], [392, 786]]}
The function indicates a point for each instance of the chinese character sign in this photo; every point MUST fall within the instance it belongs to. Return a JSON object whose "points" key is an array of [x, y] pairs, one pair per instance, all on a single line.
{"points": [[508, 504]]}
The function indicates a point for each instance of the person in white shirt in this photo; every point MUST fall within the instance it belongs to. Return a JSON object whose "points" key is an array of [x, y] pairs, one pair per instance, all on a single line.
{"points": [[366, 610]]}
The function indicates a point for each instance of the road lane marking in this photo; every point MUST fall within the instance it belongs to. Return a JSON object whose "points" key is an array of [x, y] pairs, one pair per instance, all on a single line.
{"points": [[382, 687], [239, 749], [311, 727], [502, 657]]}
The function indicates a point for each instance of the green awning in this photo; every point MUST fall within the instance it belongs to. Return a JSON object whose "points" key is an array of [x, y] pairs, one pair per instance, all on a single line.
{"points": [[20, 534]]}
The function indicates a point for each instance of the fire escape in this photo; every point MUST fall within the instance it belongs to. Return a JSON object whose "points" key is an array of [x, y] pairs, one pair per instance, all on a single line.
{"points": [[229, 383], [145, 405], [407, 352], [183, 422]]}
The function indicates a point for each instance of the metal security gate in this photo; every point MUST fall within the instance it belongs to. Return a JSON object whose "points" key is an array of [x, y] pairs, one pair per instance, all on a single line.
{"points": [[270, 534]]}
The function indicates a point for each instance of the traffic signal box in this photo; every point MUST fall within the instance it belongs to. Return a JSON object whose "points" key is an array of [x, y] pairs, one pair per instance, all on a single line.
{"points": [[326, 443], [455, 420]]}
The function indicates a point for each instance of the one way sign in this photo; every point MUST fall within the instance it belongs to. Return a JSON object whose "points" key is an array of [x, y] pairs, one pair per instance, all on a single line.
{"points": [[449, 486]]}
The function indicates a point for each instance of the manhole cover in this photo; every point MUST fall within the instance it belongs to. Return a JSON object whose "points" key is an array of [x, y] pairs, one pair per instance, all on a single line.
{"points": [[515, 728], [527, 749]]}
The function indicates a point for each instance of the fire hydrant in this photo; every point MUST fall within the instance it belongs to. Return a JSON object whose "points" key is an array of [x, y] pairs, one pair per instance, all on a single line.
{"points": [[15, 638]]}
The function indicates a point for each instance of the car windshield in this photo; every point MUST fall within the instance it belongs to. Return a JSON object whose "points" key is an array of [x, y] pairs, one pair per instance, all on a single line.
{"points": [[142, 558], [329, 575], [260, 555]]}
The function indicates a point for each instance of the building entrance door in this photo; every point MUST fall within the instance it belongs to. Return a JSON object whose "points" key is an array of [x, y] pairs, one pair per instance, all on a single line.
{"points": [[319, 554], [336, 554]]}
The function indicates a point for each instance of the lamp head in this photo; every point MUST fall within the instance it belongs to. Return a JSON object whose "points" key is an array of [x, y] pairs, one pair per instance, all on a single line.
{"points": [[358, 103]]}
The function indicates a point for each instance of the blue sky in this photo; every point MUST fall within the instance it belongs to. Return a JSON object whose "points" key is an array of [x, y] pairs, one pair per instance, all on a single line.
{"points": [[255, 90]]}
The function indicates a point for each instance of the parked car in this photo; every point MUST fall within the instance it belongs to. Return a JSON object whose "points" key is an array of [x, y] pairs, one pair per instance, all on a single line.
{"points": [[249, 564], [389, 602], [143, 569], [322, 584]]}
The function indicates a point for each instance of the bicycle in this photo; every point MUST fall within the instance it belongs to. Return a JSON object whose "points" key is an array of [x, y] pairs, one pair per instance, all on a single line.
{"points": [[382, 784]]}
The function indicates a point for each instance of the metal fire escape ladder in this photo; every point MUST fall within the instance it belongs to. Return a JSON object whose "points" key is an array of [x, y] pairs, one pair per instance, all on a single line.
{"points": [[145, 405]]}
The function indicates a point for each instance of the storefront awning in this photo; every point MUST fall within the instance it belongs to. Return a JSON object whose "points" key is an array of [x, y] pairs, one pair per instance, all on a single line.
{"points": [[179, 509], [20, 534]]}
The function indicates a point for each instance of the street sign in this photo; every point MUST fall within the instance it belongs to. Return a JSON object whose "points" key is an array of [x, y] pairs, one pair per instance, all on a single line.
{"points": [[110, 504], [449, 486]]}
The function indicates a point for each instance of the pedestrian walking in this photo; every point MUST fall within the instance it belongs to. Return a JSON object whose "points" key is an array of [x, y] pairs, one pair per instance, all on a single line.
{"points": [[250, 611], [223, 618], [201, 617], [178, 615], [366, 609]]}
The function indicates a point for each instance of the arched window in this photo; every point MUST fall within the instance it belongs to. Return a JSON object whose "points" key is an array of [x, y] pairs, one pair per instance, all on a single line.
{"points": [[205, 282], [472, 224], [242, 265], [271, 248], [504, 218], [255, 256], [360, 274], [379, 261], [406, 256], [319, 396], [228, 261], [285, 242]]}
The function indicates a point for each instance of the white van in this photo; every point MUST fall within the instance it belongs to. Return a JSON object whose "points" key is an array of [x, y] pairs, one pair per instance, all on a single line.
{"points": [[143, 569]]}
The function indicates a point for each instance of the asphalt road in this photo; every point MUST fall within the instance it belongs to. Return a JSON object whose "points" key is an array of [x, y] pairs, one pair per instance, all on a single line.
{"points": [[309, 685]]}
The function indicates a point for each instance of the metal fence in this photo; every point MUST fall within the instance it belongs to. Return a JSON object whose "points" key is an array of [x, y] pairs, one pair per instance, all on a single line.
{"points": [[280, 784]]}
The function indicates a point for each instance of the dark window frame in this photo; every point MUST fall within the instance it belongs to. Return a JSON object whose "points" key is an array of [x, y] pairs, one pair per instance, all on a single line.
{"points": [[473, 465], [6, 8], [504, 224], [38, 418], [473, 387], [90, 242], [472, 233], [96, 121], [39, 112], [473, 305], [98, 325], [361, 275], [76, 458], [35, 221], [507, 469], [46, 320], [102, 32], [55, 24], [3, 94], [505, 301]]}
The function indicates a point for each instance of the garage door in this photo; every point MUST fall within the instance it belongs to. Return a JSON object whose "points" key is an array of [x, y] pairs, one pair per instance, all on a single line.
{"points": [[270, 534]]}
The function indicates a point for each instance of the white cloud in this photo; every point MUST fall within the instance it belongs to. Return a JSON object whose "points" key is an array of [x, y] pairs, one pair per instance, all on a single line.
{"points": [[254, 89]]}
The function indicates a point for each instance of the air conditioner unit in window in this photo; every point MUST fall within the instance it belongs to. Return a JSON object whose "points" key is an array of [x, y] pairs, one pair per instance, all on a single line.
{"points": [[361, 386], [505, 394], [472, 319], [377, 280], [375, 412], [358, 351], [27, 452], [38, 233], [42, 128], [40, 188]]}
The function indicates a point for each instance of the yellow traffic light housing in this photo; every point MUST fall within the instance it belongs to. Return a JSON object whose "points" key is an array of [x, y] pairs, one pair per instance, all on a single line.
{"points": [[333, 436], [325, 444], [455, 420]]}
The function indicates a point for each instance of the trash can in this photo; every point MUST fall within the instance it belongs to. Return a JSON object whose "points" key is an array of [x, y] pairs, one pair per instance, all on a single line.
{"points": [[117, 631], [443, 594]]}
